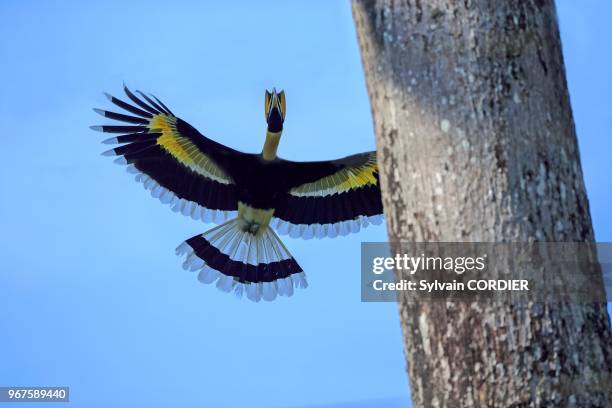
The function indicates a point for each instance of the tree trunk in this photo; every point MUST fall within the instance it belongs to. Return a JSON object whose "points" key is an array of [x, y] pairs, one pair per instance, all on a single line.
{"points": [[476, 143]]}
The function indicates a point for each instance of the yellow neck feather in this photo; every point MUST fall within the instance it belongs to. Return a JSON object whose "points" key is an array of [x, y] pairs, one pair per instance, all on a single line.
{"points": [[271, 145]]}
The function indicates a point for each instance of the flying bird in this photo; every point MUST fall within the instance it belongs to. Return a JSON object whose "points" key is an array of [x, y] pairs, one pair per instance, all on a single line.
{"points": [[248, 194]]}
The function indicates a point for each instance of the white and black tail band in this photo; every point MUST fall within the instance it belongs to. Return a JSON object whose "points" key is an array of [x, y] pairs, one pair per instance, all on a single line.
{"points": [[258, 265]]}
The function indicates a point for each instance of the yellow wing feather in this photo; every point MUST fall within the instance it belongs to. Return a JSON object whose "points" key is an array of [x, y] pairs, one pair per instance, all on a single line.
{"points": [[343, 180], [184, 150]]}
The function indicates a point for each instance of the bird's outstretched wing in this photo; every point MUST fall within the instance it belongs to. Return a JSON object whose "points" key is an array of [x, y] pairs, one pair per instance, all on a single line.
{"points": [[178, 164], [330, 198]]}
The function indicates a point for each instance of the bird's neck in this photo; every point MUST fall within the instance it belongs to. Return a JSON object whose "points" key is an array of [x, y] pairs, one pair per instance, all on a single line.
{"points": [[271, 145]]}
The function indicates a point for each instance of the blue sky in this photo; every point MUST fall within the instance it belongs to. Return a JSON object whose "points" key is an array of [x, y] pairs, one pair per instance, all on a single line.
{"points": [[91, 293]]}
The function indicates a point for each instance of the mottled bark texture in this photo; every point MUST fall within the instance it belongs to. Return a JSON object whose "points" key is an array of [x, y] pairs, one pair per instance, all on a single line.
{"points": [[476, 142]]}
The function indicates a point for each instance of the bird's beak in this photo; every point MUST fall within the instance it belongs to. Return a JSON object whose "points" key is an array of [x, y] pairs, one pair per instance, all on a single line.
{"points": [[275, 102]]}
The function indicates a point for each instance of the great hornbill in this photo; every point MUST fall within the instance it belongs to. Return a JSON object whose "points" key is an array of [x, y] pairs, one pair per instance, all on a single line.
{"points": [[247, 194]]}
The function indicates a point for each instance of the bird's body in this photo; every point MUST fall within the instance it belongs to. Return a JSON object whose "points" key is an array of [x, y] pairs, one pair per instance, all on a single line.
{"points": [[206, 180]]}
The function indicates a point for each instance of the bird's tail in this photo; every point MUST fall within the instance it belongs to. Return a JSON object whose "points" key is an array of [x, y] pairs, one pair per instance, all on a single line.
{"points": [[241, 260]]}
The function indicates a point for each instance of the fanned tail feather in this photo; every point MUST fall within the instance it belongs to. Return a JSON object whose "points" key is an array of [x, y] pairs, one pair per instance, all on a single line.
{"points": [[258, 265]]}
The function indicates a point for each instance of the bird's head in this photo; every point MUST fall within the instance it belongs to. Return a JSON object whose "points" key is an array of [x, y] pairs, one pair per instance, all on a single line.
{"points": [[275, 110]]}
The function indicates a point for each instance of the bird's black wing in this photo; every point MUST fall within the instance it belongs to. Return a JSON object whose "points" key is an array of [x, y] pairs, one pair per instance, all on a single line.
{"points": [[329, 198], [178, 164]]}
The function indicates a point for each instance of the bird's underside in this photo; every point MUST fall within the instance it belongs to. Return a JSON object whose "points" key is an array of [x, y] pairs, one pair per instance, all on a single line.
{"points": [[248, 194]]}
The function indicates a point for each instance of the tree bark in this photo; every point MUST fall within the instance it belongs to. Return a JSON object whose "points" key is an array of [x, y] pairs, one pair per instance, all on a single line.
{"points": [[476, 143]]}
